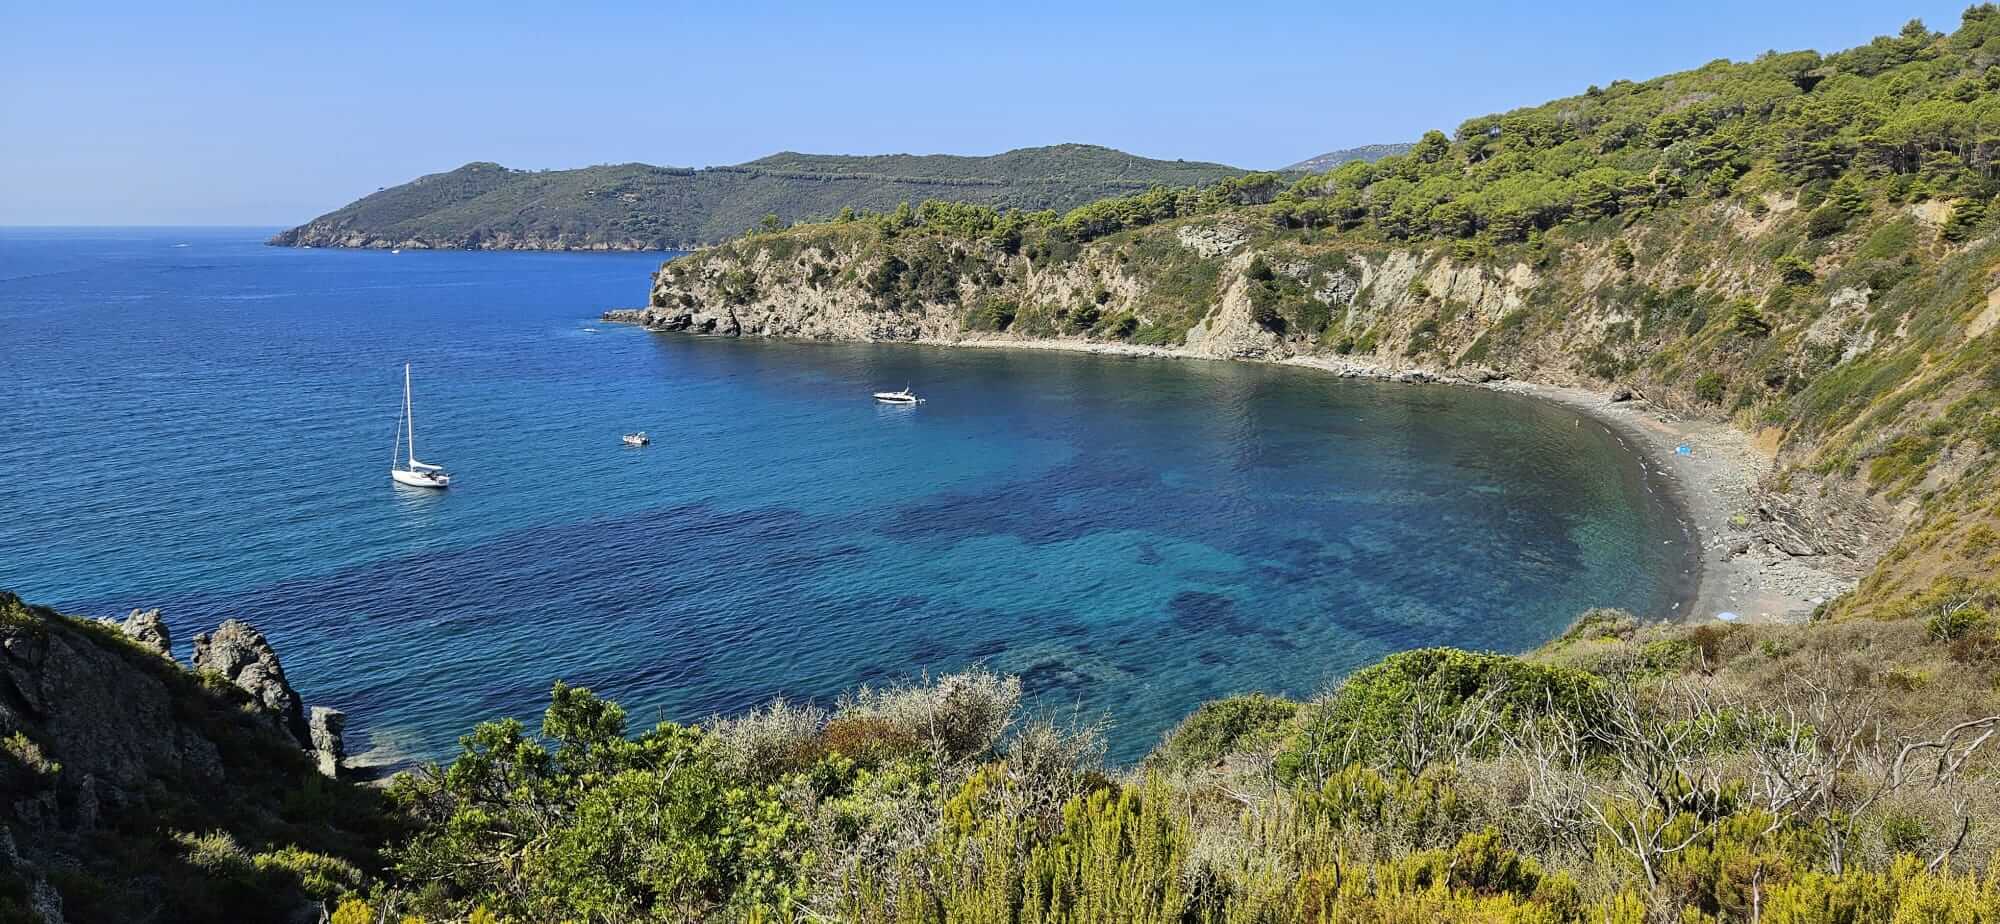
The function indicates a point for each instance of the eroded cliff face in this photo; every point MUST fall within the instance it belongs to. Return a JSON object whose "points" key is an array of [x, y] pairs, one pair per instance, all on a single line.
{"points": [[1682, 309]]}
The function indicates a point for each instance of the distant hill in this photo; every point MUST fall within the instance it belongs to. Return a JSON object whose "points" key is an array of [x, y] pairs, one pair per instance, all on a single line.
{"points": [[1332, 159], [643, 207]]}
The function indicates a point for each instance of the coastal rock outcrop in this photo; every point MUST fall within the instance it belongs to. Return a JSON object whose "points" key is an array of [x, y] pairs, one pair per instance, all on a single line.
{"points": [[105, 742], [239, 654], [327, 728], [148, 629]]}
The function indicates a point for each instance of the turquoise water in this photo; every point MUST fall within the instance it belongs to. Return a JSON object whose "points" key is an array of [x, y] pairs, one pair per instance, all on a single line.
{"points": [[206, 428]]}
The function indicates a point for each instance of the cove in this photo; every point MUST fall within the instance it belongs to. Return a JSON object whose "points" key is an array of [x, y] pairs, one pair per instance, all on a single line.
{"points": [[207, 429]]}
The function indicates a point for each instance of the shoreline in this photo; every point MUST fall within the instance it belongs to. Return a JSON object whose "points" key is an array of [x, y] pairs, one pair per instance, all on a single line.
{"points": [[1712, 485]]}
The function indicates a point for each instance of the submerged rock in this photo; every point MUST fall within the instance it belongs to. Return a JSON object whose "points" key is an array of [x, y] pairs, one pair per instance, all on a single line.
{"points": [[240, 655]]}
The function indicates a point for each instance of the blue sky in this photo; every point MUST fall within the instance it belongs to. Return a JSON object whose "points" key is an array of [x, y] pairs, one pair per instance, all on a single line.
{"points": [[191, 113]]}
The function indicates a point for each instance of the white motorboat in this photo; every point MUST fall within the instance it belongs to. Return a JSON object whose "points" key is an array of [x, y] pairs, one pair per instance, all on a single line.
{"points": [[906, 396], [405, 469], [638, 439]]}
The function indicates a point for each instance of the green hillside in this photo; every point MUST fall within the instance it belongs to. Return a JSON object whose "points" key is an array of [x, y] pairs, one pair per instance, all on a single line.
{"points": [[637, 206]]}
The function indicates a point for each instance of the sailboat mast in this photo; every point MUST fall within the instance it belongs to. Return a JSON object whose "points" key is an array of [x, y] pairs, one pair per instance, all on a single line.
{"points": [[410, 412]]}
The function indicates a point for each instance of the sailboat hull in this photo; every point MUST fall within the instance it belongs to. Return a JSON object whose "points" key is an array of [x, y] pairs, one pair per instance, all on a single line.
{"points": [[420, 479]]}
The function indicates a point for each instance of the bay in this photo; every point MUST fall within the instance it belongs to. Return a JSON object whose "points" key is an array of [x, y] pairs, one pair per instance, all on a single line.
{"points": [[194, 421]]}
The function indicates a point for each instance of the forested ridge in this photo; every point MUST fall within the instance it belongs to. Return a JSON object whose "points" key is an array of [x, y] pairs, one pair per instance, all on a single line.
{"points": [[644, 207]]}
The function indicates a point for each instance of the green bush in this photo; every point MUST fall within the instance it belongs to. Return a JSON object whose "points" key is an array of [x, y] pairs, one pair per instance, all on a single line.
{"points": [[581, 821], [1710, 387], [1747, 321], [1221, 727], [1958, 622], [1826, 221], [1795, 270], [1424, 690]]}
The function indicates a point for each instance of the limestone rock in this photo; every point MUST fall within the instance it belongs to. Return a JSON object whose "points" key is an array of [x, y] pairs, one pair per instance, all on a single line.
{"points": [[240, 655], [1619, 394], [148, 629], [328, 729], [1212, 241]]}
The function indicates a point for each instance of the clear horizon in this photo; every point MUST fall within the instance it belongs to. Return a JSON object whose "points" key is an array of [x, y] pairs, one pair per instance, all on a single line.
{"points": [[206, 117]]}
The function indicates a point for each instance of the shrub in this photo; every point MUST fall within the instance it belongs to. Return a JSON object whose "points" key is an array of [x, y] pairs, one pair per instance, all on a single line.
{"points": [[1795, 270], [1960, 621], [1825, 221], [771, 741], [1421, 693], [867, 740], [1710, 387], [1747, 321], [583, 822], [1621, 255], [961, 715], [1222, 727], [1965, 220], [322, 877]]}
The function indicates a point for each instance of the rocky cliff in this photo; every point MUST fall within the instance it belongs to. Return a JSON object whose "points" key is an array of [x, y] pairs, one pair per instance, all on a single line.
{"points": [[134, 789]]}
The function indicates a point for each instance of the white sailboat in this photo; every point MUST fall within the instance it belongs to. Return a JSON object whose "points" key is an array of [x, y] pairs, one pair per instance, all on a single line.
{"points": [[406, 469]]}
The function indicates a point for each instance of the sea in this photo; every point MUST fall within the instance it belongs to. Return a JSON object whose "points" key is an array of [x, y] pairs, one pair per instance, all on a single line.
{"points": [[194, 421]]}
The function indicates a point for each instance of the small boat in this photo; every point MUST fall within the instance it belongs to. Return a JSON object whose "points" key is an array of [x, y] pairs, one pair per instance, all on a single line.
{"points": [[590, 330], [407, 470], [906, 396], [638, 439]]}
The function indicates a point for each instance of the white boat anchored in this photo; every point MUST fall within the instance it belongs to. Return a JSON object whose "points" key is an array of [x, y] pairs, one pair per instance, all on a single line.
{"points": [[638, 439], [906, 396], [406, 469]]}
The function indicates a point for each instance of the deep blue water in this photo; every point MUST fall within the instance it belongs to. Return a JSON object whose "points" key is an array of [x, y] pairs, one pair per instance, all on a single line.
{"points": [[206, 428]]}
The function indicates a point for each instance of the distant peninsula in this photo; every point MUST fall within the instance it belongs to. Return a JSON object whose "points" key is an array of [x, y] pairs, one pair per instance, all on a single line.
{"points": [[485, 206]]}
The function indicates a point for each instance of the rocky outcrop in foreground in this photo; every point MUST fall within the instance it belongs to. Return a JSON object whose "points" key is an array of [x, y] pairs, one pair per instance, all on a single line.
{"points": [[101, 730], [239, 654]]}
